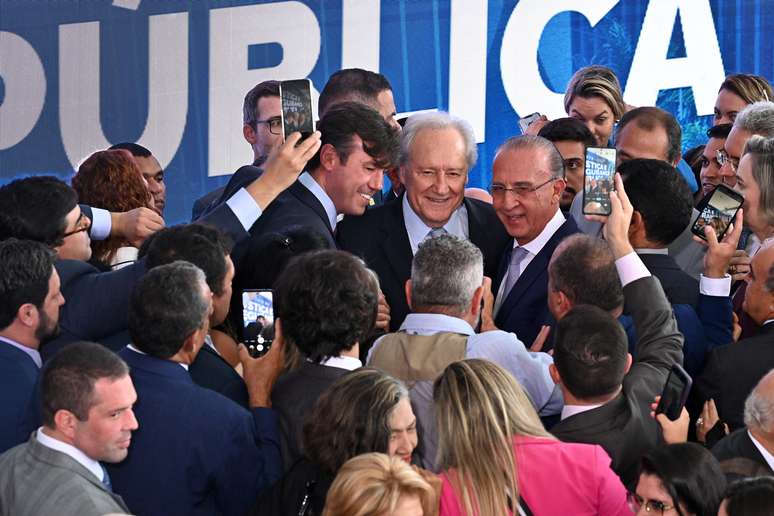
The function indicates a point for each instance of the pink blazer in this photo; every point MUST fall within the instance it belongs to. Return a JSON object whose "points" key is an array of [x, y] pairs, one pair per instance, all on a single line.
{"points": [[558, 478]]}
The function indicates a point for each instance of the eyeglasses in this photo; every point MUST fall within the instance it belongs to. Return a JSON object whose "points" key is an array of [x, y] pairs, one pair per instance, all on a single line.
{"points": [[274, 123], [636, 502], [722, 156], [83, 224], [520, 192]]}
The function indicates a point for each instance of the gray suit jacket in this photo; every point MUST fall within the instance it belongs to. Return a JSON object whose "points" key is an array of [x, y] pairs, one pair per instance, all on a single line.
{"points": [[38, 481]]}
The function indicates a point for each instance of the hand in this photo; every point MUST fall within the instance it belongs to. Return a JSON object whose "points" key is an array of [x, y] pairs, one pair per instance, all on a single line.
{"points": [[672, 431], [541, 338], [383, 314], [536, 125], [283, 167], [261, 373], [719, 254], [136, 225], [487, 319], [707, 421], [740, 265], [616, 225], [736, 332]]}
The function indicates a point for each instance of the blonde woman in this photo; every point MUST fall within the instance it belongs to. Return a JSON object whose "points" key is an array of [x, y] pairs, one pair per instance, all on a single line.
{"points": [[736, 93], [594, 97], [499, 460], [375, 484]]}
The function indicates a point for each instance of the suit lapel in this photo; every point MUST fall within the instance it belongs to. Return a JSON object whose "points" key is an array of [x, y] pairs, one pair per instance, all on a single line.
{"points": [[395, 242], [302, 193]]}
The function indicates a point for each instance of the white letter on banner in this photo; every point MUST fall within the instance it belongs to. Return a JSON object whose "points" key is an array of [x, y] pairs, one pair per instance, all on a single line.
{"points": [[360, 33], [292, 25], [79, 92], [701, 69], [523, 84], [467, 63], [25, 89]]}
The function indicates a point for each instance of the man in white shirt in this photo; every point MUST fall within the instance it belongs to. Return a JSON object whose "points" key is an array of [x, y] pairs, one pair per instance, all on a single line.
{"points": [[87, 398]]}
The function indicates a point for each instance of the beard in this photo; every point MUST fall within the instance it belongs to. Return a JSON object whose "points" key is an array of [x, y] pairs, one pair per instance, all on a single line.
{"points": [[47, 328]]}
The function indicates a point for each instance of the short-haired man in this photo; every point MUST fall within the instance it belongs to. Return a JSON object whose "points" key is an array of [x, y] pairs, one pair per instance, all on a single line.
{"points": [[29, 315], [208, 249], [527, 185], [754, 443], [711, 174], [213, 454], [437, 151], [445, 292], [87, 398], [571, 138], [151, 170], [327, 304]]}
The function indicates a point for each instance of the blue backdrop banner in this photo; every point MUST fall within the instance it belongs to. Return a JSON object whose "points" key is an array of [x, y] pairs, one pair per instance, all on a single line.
{"points": [[76, 76]]}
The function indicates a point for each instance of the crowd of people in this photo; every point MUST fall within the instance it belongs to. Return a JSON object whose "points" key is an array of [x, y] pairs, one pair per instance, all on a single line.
{"points": [[433, 348]]}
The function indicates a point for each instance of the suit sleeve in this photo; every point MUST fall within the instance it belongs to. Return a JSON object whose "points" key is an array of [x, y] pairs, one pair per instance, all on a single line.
{"points": [[716, 314], [224, 218]]}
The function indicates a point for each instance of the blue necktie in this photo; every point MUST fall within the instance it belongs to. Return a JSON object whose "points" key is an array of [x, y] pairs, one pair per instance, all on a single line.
{"points": [[436, 232], [106, 479], [517, 256]]}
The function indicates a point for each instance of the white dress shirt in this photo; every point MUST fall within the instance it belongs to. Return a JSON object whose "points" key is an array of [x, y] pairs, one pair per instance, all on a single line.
{"points": [[343, 362], [71, 451], [131, 347], [571, 410], [417, 230], [34, 354], [768, 457]]}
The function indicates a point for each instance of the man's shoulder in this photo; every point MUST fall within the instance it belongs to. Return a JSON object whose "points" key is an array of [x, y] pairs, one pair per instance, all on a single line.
{"points": [[372, 217]]}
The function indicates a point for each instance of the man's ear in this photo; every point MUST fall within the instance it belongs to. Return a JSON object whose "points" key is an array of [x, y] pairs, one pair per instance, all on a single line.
{"points": [[28, 315], [628, 363], [559, 303], [554, 372], [678, 159], [558, 187], [475, 303], [407, 288], [249, 133], [66, 423], [329, 157]]}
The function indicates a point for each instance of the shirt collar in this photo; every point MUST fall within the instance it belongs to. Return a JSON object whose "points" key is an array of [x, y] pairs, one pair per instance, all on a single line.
{"points": [[131, 347], [313, 186], [652, 251], [417, 230], [34, 354], [71, 451], [768, 457], [536, 244], [343, 362], [428, 324], [571, 410]]}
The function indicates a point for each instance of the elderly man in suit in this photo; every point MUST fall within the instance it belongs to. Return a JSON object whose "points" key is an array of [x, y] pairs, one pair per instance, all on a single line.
{"points": [[437, 150], [29, 315], [527, 185], [87, 399]]}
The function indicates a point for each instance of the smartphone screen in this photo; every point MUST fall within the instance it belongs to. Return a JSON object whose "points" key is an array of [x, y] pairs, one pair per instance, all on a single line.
{"points": [[524, 122], [675, 393], [718, 211], [296, 97], [598, 182], [257, 320]]}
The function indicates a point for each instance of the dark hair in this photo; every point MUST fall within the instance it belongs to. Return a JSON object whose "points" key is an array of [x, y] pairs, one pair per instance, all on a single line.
{"points": [[67, 380], [568, 129], [199, 244], [660, 194], [166, 306], [590, 349], [36, 208], [690, 474], [649, 118], [719, 131], [345, 120], [327, 301], [352, 84], [750, 497], [583, 268], [135, 149], [26, 269], [250, 107], [352, 417]]}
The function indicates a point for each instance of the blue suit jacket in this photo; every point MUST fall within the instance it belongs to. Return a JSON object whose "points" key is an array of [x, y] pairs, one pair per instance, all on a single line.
{"points": [[195, 452], [525, 309], [18, 406]]}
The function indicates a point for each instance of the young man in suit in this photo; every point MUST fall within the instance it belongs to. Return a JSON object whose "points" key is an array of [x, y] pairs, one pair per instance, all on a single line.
{"points": [[527, 185], [437, 150], [571, 138], [214, 455], [29, 315], [87, 398]]}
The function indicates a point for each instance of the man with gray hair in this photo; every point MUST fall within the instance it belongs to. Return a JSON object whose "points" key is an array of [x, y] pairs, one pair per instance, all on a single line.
{"points": [[437, 150], [756, 442], [527, 185], [445, 291]]}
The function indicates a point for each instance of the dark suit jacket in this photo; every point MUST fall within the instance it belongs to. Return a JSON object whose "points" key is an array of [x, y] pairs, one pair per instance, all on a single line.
{"points": [[294, 397], [525, 308], [211, 371], [732, 371], [285, 497], [18, 380], [623, 426], [737, 445], [379, 237], [679, 287], [195, 452], [205, 203]]}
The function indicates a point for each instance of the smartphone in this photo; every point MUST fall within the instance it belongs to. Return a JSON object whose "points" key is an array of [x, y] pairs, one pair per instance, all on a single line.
{"points": [[718, 210], [257, 320], [675, 392], [598, 180], [296, 98], [524, 122]]}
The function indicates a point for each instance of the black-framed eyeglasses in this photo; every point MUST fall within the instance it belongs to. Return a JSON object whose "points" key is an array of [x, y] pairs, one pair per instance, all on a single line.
{"points": [[274, 123], [499, 191], [722, 156], [636, 502], [83, 224]]}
